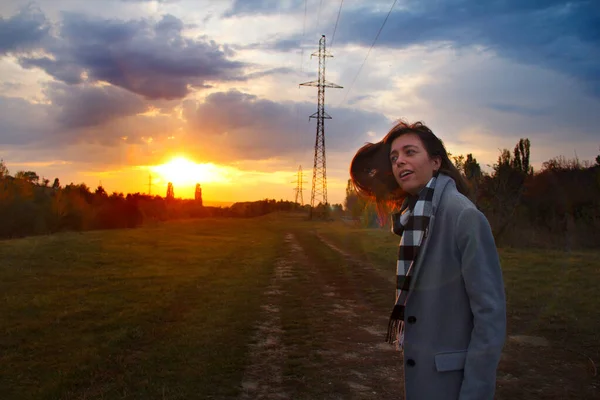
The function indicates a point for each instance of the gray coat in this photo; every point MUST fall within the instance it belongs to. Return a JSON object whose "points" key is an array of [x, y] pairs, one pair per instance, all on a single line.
{"points": [[455, 315]]}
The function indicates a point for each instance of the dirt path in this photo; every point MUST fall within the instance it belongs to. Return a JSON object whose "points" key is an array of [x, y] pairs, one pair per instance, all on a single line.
{"points": [[263, 379], [347, 333]]}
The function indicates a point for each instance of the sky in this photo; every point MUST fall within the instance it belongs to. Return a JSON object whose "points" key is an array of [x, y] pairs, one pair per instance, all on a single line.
{"points": [[127, 92]]}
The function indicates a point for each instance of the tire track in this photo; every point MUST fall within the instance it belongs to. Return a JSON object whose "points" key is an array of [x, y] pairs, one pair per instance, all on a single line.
{"points": [[263, 377]]}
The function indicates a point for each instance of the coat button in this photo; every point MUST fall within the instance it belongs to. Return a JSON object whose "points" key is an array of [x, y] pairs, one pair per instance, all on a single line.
{"points": [[410, 362], [412, 320]]}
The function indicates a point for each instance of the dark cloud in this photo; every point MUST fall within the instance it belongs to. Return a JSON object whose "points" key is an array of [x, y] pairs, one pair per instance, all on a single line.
{"points": [[84, 114], [61, 69], [262, 7], [23, 31], [85, 106], [563, 36], [150, 58], [252, 128]]}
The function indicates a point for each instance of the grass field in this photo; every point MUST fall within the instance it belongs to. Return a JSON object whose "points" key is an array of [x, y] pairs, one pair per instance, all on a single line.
{"points": [[273, 307]]}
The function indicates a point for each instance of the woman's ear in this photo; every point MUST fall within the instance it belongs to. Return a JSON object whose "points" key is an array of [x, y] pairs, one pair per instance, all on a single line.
{"points": [[437, 162]]}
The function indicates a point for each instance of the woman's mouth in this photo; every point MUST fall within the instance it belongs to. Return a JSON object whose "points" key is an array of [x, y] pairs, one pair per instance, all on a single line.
{"points": [[404, 175]]}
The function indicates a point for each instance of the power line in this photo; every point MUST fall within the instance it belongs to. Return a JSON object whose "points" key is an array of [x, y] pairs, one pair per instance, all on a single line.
{"points": [[336, 24], [319, 16], [302, 41], [304, 26], [369, 52]]}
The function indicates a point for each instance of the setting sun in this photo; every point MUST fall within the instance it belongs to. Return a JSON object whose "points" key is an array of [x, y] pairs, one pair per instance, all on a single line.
{"points": [[181, 171]]}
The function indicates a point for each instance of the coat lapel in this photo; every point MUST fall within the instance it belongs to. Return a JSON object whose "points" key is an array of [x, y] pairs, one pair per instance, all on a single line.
{"points": [[441, 184]]}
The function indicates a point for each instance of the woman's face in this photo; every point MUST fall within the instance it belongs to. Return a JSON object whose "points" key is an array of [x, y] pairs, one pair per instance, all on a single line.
{"points": [[411, 165]]}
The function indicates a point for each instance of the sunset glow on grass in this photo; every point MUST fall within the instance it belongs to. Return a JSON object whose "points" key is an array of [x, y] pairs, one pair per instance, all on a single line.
{"points": [[182, 171]]}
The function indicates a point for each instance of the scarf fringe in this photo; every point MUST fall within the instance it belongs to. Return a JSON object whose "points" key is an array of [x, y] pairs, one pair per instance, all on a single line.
{"points": [[395, 322], [392, 332]]}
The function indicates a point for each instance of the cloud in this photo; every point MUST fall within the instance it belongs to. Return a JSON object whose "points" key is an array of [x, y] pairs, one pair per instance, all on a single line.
{"points": [[85, 106], [246, 127], [262, 7], [268, 72], [6, 86], [22, 122], [474, 110], [562, 36], [275, 45], [519, 110], [23, 31], [149, 1], [85, 114], [150, 58]]}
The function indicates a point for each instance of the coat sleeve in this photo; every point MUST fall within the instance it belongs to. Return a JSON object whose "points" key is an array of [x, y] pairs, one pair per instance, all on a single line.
{"points": [[482, 275]]}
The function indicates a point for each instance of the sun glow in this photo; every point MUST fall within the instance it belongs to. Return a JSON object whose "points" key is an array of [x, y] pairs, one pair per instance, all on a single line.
{"points": [[181, 171]]}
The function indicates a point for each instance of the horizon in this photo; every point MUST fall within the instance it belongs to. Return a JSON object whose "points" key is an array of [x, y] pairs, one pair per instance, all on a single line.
{"points": [[208, 92]]}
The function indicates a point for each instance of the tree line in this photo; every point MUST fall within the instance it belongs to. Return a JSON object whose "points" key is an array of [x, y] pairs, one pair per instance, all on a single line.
{"points": [[31, 206], [555, 207]]}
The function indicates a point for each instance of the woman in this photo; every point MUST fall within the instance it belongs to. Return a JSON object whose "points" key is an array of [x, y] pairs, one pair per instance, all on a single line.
{"points": [[450, 312]]}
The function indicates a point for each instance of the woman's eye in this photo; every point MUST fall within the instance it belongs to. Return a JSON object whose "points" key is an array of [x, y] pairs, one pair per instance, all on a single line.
{"points": [[393, 158], [409, 152]]}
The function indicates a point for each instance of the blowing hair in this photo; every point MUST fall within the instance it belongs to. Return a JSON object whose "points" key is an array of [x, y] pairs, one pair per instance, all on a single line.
{"points": [[371, 169]]}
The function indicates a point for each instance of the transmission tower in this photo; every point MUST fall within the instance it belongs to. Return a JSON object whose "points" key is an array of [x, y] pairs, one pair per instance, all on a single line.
{"points": [[299, 181], [319, 181]]}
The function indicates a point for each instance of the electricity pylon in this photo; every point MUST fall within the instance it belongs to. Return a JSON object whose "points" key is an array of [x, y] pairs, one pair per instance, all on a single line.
{"points": [[299, 181], [319, 181]]}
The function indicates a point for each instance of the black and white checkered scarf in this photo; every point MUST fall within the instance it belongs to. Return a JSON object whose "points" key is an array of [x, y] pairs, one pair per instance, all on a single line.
{"points": [[411, 223]]}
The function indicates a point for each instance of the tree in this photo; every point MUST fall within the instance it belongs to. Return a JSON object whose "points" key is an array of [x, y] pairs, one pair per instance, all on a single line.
{"points": [[45, 182], [28, 176], [100, 191], [459, 162], [198, 194], [352, 201], [170, 193], [521, 159], [505, 187], [472, 171], [337, 210], [4, 170]]}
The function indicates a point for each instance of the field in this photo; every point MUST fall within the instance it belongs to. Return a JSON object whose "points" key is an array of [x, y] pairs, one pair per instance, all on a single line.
{"points": [[275, 307]]}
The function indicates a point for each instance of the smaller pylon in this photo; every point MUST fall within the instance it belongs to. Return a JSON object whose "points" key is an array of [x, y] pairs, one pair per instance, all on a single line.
{"points": [[299, 181]]}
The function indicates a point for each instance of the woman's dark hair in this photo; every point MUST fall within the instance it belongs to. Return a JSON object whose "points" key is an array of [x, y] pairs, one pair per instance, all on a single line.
{"points": [[371, 169]]}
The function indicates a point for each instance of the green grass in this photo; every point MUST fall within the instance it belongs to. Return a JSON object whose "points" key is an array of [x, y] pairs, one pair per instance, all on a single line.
{"points": [[553, 294], [548, 292], [168, 311], [161, 312]]}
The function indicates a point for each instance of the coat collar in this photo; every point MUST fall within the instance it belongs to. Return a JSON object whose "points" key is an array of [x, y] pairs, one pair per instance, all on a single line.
{"points": [[442, 182]]}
